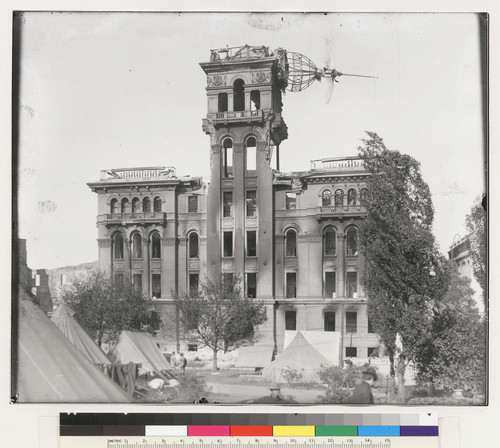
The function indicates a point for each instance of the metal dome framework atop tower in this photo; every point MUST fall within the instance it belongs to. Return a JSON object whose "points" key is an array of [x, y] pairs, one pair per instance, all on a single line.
{"points": [[295, 70]]}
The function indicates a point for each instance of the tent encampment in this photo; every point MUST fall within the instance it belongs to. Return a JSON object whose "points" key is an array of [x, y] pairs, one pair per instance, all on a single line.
{"points": [[300, 356], [63, 319], [49, 368], [326, 342], [139, 348]]}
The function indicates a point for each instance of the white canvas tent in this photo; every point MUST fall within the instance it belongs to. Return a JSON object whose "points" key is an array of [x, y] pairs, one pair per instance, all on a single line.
{"points": [[326, 342], [139, 348], [63, 319], [49, 368], [256, 356], [300, 356]]}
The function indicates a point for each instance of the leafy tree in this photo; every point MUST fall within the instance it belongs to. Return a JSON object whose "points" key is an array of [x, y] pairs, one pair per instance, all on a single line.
{"points": [[453, 355], [104, 308], [399, 248], [220, 316], [476, 227]]}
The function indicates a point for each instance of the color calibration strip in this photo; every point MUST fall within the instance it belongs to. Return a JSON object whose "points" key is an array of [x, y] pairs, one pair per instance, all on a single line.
{"points": [[249, 425]]}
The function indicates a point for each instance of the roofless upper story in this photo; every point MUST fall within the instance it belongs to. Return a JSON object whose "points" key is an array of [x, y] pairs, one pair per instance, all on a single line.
{"points": [[244, 86]]}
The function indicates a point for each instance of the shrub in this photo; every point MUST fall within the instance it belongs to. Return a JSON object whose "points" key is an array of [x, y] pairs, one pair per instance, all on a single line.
{"points": [[338, 381], [291, 375]]}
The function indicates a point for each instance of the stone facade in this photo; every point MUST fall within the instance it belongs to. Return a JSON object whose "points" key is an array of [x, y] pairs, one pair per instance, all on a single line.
{"points": [[291, 237]]}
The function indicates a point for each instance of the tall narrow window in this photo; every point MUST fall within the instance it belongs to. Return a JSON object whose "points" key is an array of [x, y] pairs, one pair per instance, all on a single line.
{"points": [[227, 208], [255, 100], [291, 320], [157, 204], [291, 201], [330, 237], [137, 279], [351, 322], [113, 207], [193, 285], [291, 285], [239, 95], [363, 197], [291, 243], [251, 156], [137, 246], [192, 204], [124, 205], [251, 285], [193, 245], [156, 285], [352, 241], [146, 205], [119, 279], [351, 285], [339, 198], [228, 244], [228, 157], [329, 317], [251, 203], [136, 205], [155, 245], [326, 198], [330, 285], [222, 100], [351, 197], [118, 246], [370, 326], [251, 243]]}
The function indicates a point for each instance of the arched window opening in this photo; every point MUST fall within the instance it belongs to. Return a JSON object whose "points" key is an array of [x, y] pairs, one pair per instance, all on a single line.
{"points": [[155, 245], [157, 204], [227, 155], [330, 244], [352, 241], [339, 198], [363, 197], [251, 155], [118, 246], [124, 205], [291, 243], [146, 205], [136, 205], [326, 198], [239, 95], [113, 207], [351, 197], [255, 100], [222, 99], [193, 245], [137, 246]]}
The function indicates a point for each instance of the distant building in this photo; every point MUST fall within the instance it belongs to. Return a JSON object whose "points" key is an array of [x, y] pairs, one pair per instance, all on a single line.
{"points": [[40, 288], [291, 237], [60, 278], [460, 253]]}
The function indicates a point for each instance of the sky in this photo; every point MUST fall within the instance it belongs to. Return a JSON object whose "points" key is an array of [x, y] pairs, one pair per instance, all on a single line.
{"points": [[113, 90]]}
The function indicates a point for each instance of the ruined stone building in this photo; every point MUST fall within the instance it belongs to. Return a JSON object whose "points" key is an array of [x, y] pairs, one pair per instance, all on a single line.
{"points": [[291, 237]]}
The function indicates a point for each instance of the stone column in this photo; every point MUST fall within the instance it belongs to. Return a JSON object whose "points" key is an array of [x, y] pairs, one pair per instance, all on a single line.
{"points": [[213, 214], [340, 265], [146, 275], [239, 236]]}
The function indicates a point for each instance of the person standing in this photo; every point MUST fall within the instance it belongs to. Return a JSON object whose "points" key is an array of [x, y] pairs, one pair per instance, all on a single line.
{"points": [[362, 393], [173, 362], [182, 363]]}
